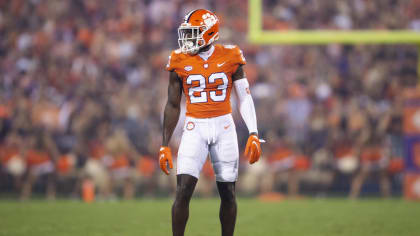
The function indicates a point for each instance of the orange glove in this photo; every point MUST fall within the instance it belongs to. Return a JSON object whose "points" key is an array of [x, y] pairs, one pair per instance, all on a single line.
{"points": [[253, 149], [165, 158]]}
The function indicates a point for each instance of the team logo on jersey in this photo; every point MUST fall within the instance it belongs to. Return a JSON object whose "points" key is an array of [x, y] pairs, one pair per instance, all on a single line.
{"points": [[190, 125], [188, 68]]}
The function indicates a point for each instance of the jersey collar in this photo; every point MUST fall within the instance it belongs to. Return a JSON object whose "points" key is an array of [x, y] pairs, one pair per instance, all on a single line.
{"points": [[205, 55]]}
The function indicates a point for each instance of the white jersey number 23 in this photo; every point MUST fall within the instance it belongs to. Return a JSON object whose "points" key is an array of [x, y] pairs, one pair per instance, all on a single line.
{"points": [[203, 97]]}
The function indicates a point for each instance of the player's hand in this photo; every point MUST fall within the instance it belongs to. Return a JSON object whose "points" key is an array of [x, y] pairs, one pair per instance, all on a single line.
{"points": [[165, 158], [253, 149]]}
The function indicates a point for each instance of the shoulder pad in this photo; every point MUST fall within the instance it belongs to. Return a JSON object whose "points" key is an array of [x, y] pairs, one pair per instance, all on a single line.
{"points": [[174, 60], [236, 54]]}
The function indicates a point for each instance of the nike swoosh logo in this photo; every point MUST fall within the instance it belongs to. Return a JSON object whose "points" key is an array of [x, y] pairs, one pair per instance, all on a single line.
{"points": [[226, 127], [221, 64]]}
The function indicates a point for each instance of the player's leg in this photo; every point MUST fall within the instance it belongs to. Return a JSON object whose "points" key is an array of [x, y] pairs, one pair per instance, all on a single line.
{"points": [[228, 207], [192, 154], [129, 190], [180, 209], [51, 185], [385, 183], [358, 180], [225, 157], [293, 183], [29, 180]]}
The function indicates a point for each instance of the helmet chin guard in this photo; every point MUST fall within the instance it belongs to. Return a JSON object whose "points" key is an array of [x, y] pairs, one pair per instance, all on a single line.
{"points": [[200, 28]]}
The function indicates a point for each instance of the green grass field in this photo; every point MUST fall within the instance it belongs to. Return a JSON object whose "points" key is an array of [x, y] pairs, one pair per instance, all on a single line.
{"points": [[152, 217]]}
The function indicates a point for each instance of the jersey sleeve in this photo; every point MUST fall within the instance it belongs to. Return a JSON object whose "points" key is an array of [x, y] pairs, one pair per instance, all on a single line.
{"points": [[173, 61], [235, 54], [238, 56]]}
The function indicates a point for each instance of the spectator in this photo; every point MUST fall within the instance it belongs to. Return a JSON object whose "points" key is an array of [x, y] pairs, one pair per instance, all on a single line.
{"points": [[76, 73]]}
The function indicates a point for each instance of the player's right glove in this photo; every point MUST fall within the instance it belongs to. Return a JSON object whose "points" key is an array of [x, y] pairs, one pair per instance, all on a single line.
{"points": [[253, 149], [165, 158]]}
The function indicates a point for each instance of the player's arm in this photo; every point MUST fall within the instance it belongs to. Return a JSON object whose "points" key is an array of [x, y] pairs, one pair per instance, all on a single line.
{"points": [[172, 108], [170, 119], [247, 110]]}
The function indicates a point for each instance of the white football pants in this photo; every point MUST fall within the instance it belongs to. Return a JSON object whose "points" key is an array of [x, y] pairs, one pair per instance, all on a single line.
{"points": [[216, 136]]}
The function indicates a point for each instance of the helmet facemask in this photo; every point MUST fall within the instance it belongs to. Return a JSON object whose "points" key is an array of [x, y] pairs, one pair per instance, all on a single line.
{"points": [[190, 38]]}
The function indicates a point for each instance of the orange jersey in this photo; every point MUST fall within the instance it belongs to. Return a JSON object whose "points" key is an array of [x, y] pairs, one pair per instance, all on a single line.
{"points": [[96, 150], [7, 153], [280, 154], [120, 161], [146, 166], [207, 85], [65, 164], [372, 154], [35, 157]]}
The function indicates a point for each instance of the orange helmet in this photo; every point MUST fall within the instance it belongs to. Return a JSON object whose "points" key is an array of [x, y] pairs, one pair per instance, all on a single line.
{"points": [[199, 29]]}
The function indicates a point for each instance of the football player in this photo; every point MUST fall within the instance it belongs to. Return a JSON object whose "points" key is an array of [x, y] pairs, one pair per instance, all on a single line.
{"points": [[206, 73]]}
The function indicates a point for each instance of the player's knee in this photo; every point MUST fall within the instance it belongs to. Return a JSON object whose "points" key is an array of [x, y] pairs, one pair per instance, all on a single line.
{"points": [[227, 195], [183, 194], [227, 177], [181, 201]]}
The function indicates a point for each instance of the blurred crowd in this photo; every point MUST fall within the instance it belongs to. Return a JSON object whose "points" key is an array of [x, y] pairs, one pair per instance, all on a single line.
{"points": [[83, 88]]}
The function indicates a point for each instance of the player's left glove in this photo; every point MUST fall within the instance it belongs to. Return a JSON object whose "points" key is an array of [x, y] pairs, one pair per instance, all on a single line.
{"points": [[253, 149], [165, 158]]}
